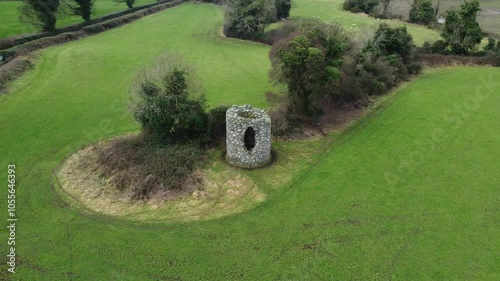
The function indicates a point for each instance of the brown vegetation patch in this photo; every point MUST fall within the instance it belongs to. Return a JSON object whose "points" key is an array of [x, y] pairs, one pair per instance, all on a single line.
{"points": [[12, 70], [214, 193], [437, 60]]}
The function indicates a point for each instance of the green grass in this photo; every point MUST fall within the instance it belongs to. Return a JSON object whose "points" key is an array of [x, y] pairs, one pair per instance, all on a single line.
{"points": [[9, 15], [331, 10], [340, 219], [488, 18]]}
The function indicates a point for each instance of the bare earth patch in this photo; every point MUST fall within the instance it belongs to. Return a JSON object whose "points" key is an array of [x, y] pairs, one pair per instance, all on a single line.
{"points": [[221, 193]]}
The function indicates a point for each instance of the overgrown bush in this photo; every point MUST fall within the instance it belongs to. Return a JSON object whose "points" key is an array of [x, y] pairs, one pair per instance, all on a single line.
{"points": [[439, 47], [392, 41], [144, 168], [462, 31], [284, 30], [279, 113], [247, 19], [217, 122], [283, 9], [422, 12], [357, 6], [492, 45], [388, 58], [169, 103], [309, 64]]}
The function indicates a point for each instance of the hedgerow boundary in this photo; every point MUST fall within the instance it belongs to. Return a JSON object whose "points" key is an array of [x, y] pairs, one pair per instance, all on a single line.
{"points": [[13, 47]]}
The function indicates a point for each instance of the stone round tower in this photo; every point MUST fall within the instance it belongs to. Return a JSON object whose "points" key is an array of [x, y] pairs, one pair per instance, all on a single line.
{"points": [[248, 136]]}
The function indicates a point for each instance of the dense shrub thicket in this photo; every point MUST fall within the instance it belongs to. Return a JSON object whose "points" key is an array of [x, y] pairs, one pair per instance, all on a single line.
{"points": [[283, 9], [169, 103], [247, 19], [388, 58], [422, 12], [462, 32], [357, 6], [143, 168], [217, 123], [321, 67], [309, 63]]}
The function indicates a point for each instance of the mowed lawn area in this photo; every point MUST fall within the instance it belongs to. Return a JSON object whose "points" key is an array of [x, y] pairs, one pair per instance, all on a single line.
{"points": [[409, 192], [9, 16]]}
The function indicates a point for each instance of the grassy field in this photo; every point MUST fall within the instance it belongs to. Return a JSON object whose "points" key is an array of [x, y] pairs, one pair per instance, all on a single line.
{"points": [[489, 17], [410, 192], [361, 24], [9, 16]]}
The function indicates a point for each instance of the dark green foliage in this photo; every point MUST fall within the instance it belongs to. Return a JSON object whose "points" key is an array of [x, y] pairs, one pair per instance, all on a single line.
{"points": [[247, 19], [130, 3], [279, 113], [283, 9], [422, 12], [143, 167], [39, 13], [309, 64], [166, 105], [357, 6], [392, 41], [217, 122], [426, 47], [82, 8], [462, 32], [439, 47], [276, 34], [492, 45], [388, 59]]}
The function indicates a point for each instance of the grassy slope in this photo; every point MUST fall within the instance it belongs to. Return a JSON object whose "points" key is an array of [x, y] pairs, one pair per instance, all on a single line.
{"points": [[340, 220], [332, 10], [9, 15], [488, 18]]}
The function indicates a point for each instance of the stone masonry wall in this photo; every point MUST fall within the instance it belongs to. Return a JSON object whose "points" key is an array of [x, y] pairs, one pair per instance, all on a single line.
{"points": [[238, 120]]}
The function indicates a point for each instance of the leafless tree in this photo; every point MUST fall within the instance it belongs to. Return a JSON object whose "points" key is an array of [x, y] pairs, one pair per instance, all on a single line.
{"points": [[385, 6]]}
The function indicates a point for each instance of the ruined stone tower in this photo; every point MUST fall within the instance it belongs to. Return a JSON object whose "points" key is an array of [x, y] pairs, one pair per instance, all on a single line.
{"points": [[248, 136]]}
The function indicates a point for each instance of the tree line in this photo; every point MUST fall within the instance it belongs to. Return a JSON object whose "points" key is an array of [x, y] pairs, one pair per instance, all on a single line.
{"points": [[461, 31], [43, 13]]}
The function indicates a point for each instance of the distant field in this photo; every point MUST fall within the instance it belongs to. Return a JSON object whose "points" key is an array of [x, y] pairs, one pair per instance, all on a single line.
{"points": [[361, 24], [489, 17], [9, 16]]}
